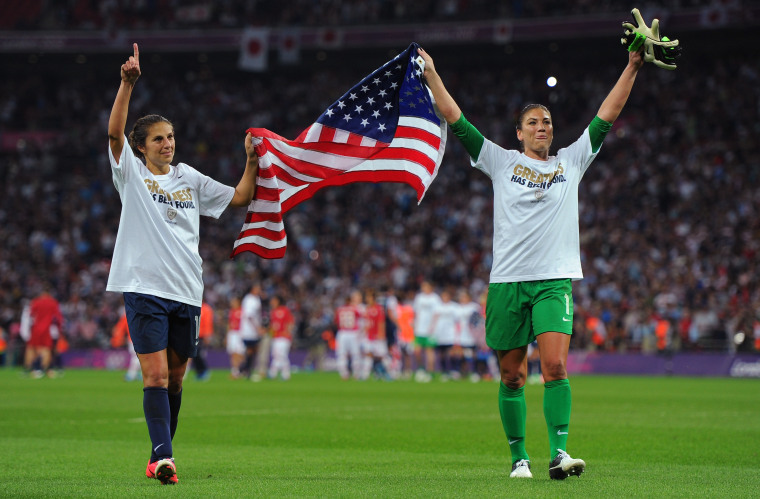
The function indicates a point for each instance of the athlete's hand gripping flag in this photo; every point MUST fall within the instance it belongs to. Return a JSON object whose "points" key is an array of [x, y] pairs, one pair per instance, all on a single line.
{"points": [[661, 51], [384, 129]]}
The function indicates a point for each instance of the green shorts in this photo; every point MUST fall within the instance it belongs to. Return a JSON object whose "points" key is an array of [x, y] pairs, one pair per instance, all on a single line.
{"points": [[425, 341], [517, 312]]}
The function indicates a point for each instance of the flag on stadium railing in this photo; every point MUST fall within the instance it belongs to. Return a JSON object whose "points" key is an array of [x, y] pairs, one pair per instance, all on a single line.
{"points": [[384, 129]]}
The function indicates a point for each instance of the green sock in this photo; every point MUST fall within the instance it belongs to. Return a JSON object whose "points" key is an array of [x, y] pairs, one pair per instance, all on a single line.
{"points": [[513, 414], [557, 413]]}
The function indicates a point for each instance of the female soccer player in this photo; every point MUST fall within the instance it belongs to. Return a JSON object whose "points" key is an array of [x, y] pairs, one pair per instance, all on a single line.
{"points": [[536, 254], [156, 264], [282, 323]]}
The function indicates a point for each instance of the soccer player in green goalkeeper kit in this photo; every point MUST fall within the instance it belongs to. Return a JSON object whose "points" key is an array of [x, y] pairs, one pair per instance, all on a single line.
{"points": [[536, 254]]}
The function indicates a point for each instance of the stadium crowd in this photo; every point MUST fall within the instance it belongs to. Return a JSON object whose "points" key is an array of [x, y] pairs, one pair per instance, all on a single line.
{"points": [[670, 222], [230, 14]]}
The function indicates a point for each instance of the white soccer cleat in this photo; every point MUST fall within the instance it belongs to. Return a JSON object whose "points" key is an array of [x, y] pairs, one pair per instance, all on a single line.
{"points": [[563, 466], [521, 469]]}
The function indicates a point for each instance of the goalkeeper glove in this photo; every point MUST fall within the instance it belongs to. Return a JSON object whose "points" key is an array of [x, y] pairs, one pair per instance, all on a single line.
{"points": [[662, 52], [666, 55]]}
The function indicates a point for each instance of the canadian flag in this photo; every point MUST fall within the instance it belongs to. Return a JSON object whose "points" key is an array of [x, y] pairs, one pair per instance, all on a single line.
{"points": [[254, 49]]}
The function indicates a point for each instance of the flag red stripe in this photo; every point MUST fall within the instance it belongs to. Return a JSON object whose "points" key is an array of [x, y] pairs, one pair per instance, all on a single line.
{"points": [[286, 177], [325, 171], [259, 250], [408, 154], [338, 149], [354, 139], [408, 132], [272, 235], [301, 166], [266, 172], [327, 134], [267, 193], [351, 177], [259, 216]]}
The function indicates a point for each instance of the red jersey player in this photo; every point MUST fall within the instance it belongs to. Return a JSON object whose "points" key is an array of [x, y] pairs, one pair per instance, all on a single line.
{"points": [[44, 322], [281, 322], [376, 352], [349, 318]]}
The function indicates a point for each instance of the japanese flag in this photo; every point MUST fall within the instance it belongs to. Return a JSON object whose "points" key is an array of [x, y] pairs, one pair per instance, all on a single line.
{"points": [[254, 49]]}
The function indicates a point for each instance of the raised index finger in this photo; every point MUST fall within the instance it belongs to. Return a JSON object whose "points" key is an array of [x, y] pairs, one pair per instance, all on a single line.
{"points": [[137, 52]]}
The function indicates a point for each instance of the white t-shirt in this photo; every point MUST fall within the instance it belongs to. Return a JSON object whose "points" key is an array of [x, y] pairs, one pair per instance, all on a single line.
{"points": [[445, 322], [424, 304], [156, 250], [535, 234], [250, 317], [465, 315]]}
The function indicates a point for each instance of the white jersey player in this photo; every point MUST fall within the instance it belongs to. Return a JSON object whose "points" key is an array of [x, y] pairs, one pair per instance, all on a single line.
{"points": [[424, 305]]}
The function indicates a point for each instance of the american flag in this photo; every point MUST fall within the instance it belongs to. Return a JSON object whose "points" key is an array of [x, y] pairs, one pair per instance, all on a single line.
{"points": [[384, 129]]}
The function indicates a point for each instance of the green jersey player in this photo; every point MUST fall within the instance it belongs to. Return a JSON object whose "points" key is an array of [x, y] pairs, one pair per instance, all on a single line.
{"points": [[536, 255]]}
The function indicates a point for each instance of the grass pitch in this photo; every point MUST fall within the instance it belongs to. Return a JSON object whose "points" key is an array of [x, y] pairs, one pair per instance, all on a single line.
{"points": [[84, 435]]}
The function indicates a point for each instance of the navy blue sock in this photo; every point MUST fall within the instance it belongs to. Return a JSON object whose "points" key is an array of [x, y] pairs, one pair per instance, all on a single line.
{"points": [[175, 401], [157, 415]]}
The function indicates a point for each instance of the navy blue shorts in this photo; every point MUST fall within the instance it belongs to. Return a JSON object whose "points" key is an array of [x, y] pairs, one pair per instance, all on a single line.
{"points": [[251, 343], [157, 323]]}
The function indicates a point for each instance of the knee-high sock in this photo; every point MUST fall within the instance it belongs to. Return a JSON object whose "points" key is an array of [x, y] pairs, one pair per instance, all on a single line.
{"points": [[175, 401], [557, 401], [513, 413], [247, 364], [158, 415]]}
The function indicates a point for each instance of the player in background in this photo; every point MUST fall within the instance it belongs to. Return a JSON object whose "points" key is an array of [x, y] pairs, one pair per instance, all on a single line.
{"points": [[60, 347], [281, 323], [389, 301], [251, 331], [119, 338], [156, 263], [348, 319], [463, 352], [444, 325], [41, 322], [485, 358], [424, 304], [376, 356], [536, 254], [533, 358], [205, 333], [264, 352], [234, 340], [405, 315]]}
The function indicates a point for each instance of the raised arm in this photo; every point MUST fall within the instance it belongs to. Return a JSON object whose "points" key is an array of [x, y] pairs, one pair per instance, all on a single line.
{"points": [[130, 72], [471, 138], [445, 102], [246, 188], [616, 99]]}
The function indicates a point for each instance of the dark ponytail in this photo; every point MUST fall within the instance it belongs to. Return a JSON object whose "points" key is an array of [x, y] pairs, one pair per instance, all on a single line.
{"points": [[527, 108], [139, 132]]}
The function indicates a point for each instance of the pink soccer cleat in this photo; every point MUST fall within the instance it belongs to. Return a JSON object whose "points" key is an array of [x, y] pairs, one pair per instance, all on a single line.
{"points": [[163, 470]]}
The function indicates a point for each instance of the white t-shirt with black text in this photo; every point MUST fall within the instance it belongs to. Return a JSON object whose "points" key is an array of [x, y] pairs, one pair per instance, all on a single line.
{"points": [[535, 234], [156, 249]]}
